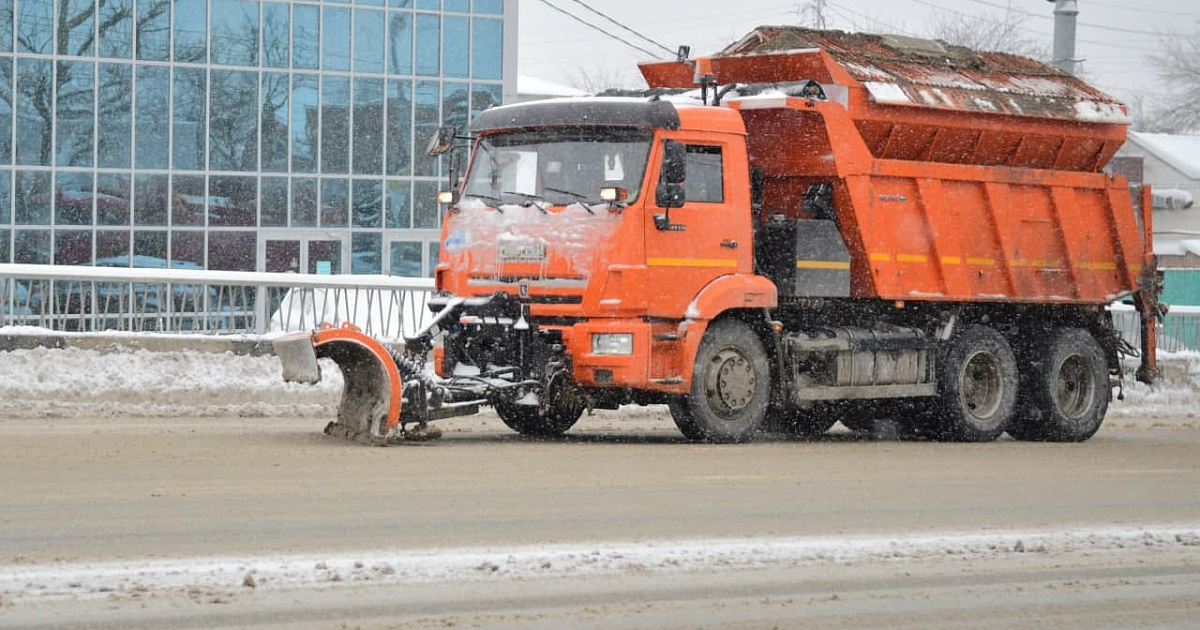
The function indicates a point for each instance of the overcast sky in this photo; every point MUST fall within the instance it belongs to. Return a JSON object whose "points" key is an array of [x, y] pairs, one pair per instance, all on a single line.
{"points": [[1114, 36]]}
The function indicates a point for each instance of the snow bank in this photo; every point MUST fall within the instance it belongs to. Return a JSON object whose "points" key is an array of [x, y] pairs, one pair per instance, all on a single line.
{"points": [[398, 567], [1177, 394], [74, 382]]}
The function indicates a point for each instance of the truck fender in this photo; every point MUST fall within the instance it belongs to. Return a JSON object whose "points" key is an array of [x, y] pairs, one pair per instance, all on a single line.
{"points": [[734, 291], [370, 405]]}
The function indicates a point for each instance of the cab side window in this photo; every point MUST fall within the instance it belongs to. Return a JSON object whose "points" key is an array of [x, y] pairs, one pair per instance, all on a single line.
{"points": [[705, 178]]}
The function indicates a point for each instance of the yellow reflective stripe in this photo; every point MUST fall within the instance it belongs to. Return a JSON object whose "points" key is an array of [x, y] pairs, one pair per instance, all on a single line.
{"points": [[980, 261], [821, 264], [691, 262]]}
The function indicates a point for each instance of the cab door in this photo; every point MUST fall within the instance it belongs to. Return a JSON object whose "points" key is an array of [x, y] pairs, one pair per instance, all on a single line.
{"points": [[709, 236]]}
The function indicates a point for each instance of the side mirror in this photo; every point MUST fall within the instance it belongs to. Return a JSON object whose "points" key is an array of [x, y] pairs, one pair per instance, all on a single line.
{"points": [[669, 193], [669, 196], [674, 166], [441, 142]]}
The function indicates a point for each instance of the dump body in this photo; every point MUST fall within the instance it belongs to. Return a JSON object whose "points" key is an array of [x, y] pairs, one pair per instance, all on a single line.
{"points": [[941, 231], [955, 175], [921, 100]]}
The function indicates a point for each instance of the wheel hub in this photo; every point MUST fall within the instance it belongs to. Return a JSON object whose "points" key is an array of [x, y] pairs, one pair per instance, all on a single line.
{"points": [[1073, 386], [730, 383], [982, 384]]}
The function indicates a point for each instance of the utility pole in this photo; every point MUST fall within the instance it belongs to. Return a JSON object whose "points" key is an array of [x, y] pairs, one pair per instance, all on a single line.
{"points": [[815, 9], [1065, 12]]}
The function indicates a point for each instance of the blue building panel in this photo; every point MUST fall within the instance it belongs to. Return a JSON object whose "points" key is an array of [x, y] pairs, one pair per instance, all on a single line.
{"points": [[237, 134]]}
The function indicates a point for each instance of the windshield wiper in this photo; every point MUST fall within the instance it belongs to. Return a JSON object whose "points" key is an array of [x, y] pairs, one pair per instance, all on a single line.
{"points": [[530, 200], [578, 196], [565, 192], [496, 200]]}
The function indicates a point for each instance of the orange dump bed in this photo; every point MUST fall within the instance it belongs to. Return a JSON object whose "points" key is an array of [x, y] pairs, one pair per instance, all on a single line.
{"points": [[915, 99], [956, 176]]}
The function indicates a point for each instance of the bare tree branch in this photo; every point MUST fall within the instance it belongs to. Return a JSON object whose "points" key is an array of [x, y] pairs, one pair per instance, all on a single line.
{"points": [[597, 79], [1178, 65], [1007, 34]]}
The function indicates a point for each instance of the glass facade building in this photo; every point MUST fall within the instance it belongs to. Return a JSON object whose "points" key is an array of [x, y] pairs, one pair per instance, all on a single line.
{"points": [[238, 134]]}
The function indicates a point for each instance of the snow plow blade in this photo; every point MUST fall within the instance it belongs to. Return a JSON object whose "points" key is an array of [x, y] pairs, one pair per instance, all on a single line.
{"points": [[369, 411]]}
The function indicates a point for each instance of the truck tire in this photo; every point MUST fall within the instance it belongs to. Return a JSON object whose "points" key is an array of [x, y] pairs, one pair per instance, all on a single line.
{"points": [[806, 423], [977, 387], [529, 420], [1067, 391], [731, 386]]}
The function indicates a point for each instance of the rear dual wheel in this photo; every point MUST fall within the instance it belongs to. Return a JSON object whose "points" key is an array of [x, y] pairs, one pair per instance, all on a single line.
{"points": [[1067, 390], [977, 387]]}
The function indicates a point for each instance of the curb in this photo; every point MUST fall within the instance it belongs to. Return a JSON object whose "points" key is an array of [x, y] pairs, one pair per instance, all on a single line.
{"points": [[124, 343], [242, 345]]}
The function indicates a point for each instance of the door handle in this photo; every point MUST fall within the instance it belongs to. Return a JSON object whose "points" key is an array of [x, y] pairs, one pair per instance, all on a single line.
{"points": [[729, 243]]}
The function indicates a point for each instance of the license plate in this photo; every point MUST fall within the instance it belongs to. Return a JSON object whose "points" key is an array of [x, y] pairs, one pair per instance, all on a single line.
{"points": [[522, 251]]}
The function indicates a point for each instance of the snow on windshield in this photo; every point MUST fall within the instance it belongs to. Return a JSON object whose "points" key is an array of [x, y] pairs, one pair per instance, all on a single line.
{"points": [[557, 166], [565, 238]]}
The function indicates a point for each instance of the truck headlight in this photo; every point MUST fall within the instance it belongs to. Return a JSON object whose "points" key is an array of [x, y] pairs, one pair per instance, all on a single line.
{"points": [[612, 343]]}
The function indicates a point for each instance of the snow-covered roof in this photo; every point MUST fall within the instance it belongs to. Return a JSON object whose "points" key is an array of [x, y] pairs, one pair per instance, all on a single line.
{"points": [[1165, 245], [527, 85], [1182, 152]]}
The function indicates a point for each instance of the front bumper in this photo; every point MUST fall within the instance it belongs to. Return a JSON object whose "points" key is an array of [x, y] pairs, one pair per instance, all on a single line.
{"points": [[610, 370]]}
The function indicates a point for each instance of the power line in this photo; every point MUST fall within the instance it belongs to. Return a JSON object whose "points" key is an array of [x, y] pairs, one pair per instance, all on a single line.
{"points": [[1036, 32], [597, 28], [870, 20], [622, 26], [1040, 16], [1140, 9], [711, 17]]}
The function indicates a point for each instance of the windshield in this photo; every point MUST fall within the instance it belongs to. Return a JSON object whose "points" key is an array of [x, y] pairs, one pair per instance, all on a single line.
{"points": [[558, 166]]}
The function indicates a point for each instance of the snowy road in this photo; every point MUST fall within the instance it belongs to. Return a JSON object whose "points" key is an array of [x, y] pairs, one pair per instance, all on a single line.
{"points": [[157, 523]]}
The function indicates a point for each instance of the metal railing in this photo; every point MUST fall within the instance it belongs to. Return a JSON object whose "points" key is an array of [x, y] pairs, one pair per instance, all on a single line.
{"points": [[70, 298], [1179, 331], [87, 299]]}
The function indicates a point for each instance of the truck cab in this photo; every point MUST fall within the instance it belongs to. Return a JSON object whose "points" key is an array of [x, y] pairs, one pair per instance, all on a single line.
{"points": [[569, 209]]}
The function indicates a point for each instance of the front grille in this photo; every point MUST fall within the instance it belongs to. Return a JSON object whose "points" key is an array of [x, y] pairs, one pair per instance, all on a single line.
{"points": [[552, 299]]}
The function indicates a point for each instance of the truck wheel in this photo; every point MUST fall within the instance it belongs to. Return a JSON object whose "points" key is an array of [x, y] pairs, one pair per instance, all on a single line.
{"points": [[810, 422], [1067, 391], [731, 384], [978, 383], [529, 420]]}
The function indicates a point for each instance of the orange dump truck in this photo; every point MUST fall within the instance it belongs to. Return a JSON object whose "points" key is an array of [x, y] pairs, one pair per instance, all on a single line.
{"points": [[811, 226]]}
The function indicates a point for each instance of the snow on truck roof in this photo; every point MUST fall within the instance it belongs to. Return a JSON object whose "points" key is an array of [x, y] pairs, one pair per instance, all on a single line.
{"points": [[904, 71], [609, 111]]}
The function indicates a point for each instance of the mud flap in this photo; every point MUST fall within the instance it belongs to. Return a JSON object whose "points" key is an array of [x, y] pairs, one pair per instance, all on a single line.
{"points": [[370, 407]]}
